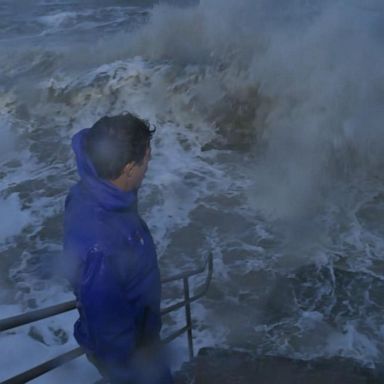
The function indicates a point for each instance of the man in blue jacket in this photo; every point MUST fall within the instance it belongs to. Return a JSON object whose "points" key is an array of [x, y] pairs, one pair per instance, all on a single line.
{"points": [[110, 255]]}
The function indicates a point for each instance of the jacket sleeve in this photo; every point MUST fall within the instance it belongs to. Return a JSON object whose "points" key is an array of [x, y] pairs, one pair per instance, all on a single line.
{"points": [[141, 284], [108, 319], [151, 317], [123, 318]]}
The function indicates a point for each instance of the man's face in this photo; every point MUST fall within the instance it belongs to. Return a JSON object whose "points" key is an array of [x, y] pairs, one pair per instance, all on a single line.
{"points": [[138, 170]]}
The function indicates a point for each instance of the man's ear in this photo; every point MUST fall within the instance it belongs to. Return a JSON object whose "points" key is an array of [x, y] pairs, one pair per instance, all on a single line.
{"points": [[127, 170]]}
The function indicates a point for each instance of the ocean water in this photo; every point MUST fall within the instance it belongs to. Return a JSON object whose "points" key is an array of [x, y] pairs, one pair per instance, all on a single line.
{"points": [[268, 153]]}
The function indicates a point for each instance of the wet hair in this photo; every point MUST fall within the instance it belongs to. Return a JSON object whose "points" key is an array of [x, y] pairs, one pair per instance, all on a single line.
{"points": [[113, 142]]}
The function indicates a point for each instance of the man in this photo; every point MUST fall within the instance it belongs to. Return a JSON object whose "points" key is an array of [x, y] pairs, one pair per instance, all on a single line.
{"points": [[110, 255]]}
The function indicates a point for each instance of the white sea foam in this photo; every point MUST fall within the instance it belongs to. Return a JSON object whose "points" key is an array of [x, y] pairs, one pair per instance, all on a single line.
{"points": [[34, 344], [7, 140], [87, 19], [13, 217], [352, 343], [60, 18]]}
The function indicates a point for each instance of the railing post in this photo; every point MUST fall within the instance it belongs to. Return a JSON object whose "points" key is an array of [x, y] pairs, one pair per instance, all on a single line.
{"points": [[188, 317]]}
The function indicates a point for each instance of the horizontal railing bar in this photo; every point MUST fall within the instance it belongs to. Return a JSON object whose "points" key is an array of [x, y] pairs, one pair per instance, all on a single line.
{"points": [[172, 307], [181, 304], [182, 275], [45, 367], [207, 281], [43, 313], [173, 336], [66, 357], [202, 293], [39, 314]]}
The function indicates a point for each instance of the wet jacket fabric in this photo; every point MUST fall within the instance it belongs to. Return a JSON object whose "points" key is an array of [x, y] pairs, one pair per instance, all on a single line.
{"points": [[111, 262]]}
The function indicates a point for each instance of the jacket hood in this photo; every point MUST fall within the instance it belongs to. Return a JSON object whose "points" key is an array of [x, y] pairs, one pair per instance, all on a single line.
{"points": [[107, 194]]}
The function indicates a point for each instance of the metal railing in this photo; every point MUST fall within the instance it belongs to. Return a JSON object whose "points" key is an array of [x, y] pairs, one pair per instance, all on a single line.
{"points": [[29, 317]]}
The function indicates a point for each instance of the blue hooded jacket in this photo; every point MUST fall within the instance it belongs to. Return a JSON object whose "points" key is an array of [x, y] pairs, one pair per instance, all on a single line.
{"points": [[112, 265]]}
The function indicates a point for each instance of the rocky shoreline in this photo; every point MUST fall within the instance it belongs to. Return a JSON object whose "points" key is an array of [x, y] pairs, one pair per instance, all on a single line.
{"points": [[213, 365]]}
